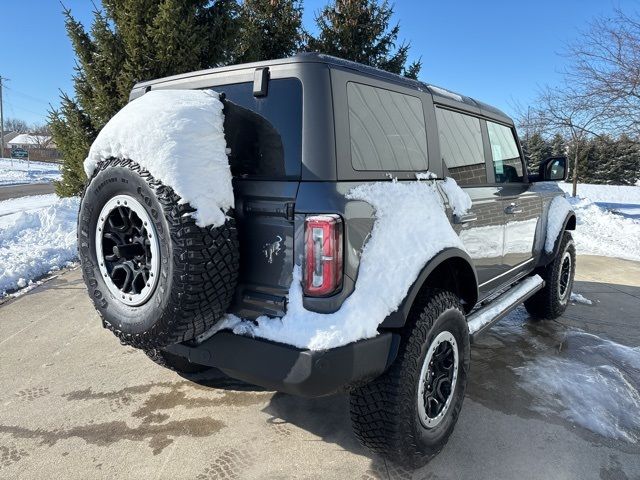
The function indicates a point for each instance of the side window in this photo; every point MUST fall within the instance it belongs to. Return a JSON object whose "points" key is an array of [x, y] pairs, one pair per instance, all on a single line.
{"points": [[387, 130], [507, 164], [461, 147]]}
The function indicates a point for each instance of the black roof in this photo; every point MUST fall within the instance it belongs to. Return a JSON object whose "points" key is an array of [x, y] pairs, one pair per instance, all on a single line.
{"points": [[440, 94]]}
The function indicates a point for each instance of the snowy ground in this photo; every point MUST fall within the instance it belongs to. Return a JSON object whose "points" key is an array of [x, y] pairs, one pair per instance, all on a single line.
{"points": [[27, 172], [37, 236], [608, 220]]}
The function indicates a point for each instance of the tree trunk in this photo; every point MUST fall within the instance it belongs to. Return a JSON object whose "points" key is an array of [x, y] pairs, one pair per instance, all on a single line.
{"points": [[575, 172]]}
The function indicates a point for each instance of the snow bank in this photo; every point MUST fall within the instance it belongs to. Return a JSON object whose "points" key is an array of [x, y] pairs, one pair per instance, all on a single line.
{"points": [[605, 193], [27, 172], [558, 211], [35, 240], [410, 220], [602, 232], [178, 136], [594, 382]]}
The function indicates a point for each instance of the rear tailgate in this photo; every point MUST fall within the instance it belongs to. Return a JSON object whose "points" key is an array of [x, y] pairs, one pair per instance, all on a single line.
{"points": [[264, 215]]}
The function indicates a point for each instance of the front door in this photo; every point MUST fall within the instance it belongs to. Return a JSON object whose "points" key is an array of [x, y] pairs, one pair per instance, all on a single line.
{"points": [[521, 206]]}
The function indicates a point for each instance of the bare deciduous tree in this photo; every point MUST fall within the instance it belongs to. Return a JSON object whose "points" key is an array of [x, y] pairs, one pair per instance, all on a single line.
{"points": [[15, 125], [566, 111], [606, 69]]}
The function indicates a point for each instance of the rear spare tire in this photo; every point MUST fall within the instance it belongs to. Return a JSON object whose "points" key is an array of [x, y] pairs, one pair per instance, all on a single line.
{"points": [[155, 277]]}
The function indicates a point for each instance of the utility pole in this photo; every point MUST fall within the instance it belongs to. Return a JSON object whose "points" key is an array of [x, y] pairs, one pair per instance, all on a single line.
{"points": [[1, 121]]}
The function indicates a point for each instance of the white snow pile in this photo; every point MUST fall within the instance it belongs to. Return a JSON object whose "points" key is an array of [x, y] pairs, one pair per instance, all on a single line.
{"points": [[602, 232], [410, 218], [37, 236], [605, 193], [178, 136], [594, 383], [16, 172], [558, 211], [579, 298]]}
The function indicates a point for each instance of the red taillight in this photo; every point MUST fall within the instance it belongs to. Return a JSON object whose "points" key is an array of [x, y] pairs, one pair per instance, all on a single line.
{"points": [[323, 254]]}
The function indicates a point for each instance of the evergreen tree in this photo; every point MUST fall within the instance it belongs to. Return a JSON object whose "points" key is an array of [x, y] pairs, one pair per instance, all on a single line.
{"points": [[538, 149], [624, 165], [269, 29], [558, 145], [360, 30], [130, 41]]}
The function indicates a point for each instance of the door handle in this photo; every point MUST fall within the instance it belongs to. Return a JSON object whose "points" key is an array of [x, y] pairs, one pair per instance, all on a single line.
{"points": [[466, 218], [513, 208]]}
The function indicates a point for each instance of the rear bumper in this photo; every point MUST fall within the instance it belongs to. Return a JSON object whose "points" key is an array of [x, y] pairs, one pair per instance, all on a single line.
{"points": [[291, 370]]}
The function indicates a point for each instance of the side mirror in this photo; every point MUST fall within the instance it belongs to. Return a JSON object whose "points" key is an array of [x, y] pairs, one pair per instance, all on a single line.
{"points": [[551, 170]]}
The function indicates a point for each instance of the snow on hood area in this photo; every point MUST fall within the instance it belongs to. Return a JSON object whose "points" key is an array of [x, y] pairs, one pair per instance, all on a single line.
{"points": [[410, 218], [37, 236], [178, 136]]}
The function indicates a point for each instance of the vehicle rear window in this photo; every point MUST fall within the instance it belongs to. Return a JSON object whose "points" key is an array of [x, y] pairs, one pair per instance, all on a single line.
{"points": [[507, 164], [461, 147], [264, 134], [387, 130]]}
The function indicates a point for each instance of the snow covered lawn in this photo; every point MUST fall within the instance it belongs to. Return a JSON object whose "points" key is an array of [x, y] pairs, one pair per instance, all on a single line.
{"points": [[37, 236], [27, 172], [608, 220]]}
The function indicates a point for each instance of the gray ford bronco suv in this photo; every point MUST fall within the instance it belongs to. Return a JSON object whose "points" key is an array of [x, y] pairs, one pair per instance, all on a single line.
{"points": [[302, 132]]}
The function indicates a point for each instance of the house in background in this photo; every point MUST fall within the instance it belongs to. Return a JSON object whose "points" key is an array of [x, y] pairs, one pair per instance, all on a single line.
{"points": [[40, 147], [28, 141]]}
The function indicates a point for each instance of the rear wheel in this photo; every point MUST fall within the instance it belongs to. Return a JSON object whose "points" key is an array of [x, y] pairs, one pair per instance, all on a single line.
{"points": [[408, 413], [552, 300]]}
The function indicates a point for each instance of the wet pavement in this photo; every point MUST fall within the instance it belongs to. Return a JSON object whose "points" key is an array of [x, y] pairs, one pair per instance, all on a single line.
{"points": [[16, 191], [555, 399]]}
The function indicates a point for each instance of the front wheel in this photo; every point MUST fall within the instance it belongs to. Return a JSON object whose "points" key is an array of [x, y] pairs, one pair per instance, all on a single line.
{"points": [[552, 300], [408, 413]]}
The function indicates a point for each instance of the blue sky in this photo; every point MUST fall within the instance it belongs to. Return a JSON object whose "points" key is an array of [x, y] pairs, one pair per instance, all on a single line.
{"points": [[498, 51]]}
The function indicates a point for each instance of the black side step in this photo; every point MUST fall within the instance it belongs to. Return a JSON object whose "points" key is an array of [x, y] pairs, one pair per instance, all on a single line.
{"points": [[482, 319]]}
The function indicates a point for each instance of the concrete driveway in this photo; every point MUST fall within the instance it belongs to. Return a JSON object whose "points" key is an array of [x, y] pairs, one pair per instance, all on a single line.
{"points": [[546, 400]]}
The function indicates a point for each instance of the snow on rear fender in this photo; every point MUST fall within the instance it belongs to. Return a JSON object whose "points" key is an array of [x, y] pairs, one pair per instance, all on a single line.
{"points": [[411, 228]]}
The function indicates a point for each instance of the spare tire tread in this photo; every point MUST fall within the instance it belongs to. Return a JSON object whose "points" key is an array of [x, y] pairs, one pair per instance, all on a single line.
{"points": [[199, 295]]}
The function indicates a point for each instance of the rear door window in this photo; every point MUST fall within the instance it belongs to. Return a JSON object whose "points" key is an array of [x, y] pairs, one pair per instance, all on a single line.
{"points": [[264, 134], [387, 130], [461, 147], [507, 163]]}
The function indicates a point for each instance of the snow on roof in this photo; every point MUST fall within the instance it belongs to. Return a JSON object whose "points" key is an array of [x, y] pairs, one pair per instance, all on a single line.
{"points": [[28, 139]]}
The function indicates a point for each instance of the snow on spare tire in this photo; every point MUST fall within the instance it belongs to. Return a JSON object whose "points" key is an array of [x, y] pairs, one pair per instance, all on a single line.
{"points": [[158, 245]]}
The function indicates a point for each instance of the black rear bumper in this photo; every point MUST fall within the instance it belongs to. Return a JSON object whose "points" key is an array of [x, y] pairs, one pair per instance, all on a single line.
{"points": [[291, 370]]}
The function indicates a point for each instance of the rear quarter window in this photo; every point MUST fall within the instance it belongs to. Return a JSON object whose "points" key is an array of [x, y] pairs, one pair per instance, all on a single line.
{"points": [[264, 134], [387, 130]]}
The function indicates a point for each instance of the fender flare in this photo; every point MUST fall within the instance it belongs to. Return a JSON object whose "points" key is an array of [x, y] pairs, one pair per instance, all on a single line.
{"points": [[568, 224], [398, 318]]}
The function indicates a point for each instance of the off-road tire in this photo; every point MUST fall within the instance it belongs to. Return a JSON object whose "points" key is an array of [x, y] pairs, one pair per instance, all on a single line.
{"points": [[198, 266], [384, 412], [548, 303], [174, 362]]}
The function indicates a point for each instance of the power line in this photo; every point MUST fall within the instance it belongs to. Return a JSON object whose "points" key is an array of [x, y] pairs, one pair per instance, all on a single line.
{"points": [[26, 95]]}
